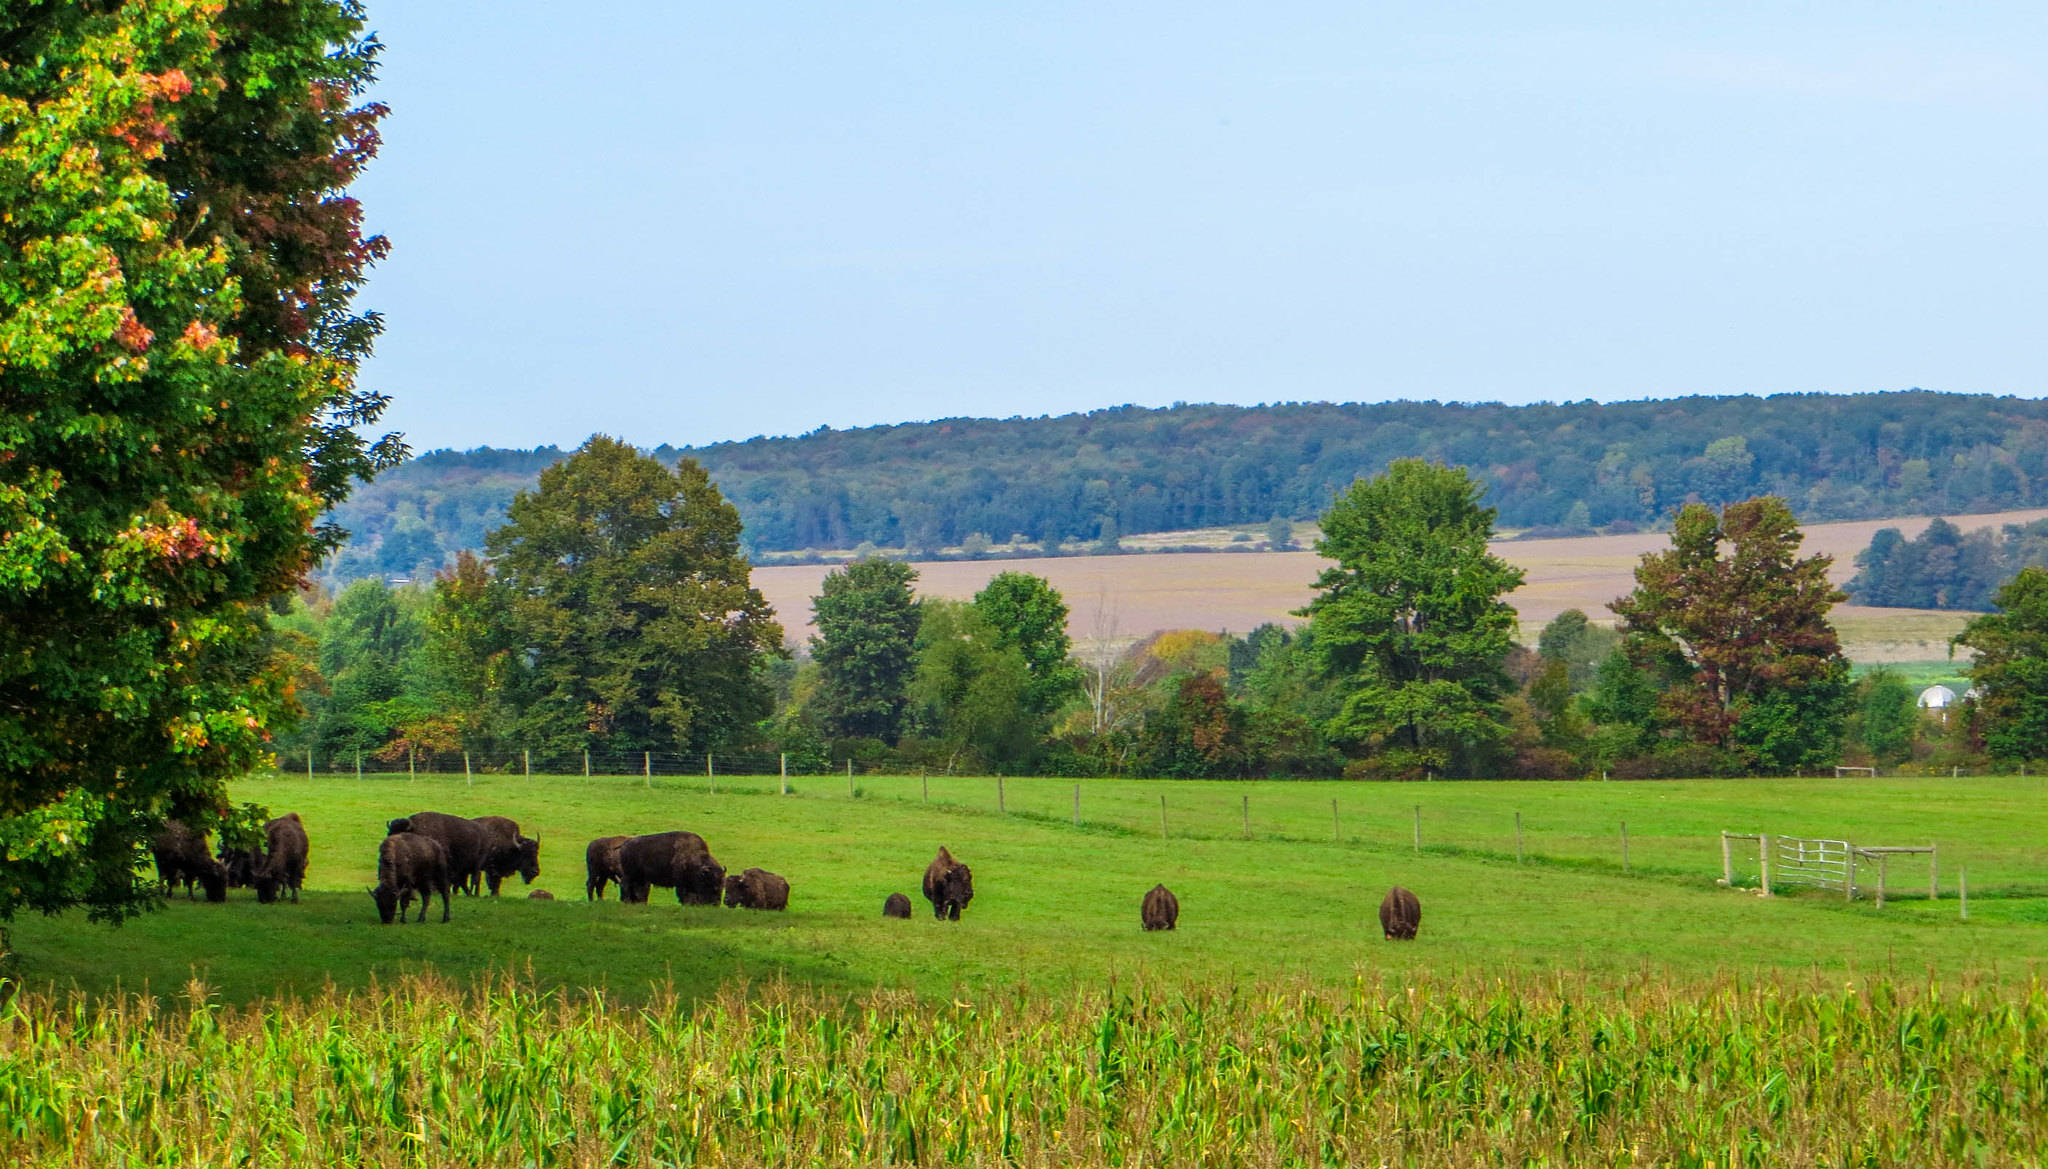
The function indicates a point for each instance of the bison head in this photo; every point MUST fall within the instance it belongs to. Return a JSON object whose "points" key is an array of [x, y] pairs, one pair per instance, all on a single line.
{"points": [[735, 891], [529, 858], [387, 903], [402, 824], [266, 888], [214, 879]]}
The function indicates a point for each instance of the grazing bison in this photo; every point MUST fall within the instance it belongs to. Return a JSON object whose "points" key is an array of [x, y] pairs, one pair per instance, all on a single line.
{"points": [[241, 865], [756, 889], [601, 863], [467, 842], [508, 852], [409, 863], [182, 857], [948, 885], [1160, 909], [672, 860], [896, 906], [283, 865], [1400, 915], [540, 895]]}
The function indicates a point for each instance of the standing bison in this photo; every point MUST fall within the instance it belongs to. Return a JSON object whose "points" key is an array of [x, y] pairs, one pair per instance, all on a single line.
{"points": [[182, 857], [508, 852], [897, 905], [1160, 909], [601, 864], [672, 860], [283, 864], [467, 842], [410, 863], [756, 889], [1400, 915], [948, 885]]}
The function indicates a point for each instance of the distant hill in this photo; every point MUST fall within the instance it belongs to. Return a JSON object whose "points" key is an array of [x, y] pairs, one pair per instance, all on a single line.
{"points": [[1558, 469]]}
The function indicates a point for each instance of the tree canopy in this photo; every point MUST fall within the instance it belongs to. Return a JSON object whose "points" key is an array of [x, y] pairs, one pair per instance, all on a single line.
{"points": [[2010, 672], [178, 405], [865, 647]]}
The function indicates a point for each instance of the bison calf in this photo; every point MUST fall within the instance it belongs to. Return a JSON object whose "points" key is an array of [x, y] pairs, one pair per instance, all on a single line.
{"points": [[1400, 915], [601, 863], [283, 865], [756, 889], [409, 863], [948, 885], [896, 906], [1160, 909], [540, 895]]}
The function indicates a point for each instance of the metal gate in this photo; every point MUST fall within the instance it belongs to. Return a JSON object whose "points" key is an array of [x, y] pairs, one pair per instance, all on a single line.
{"points": [[1823, 864]]}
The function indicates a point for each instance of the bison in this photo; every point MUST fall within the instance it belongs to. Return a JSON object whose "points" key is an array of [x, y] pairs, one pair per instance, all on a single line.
{"points": [[677, 860], [409, 863], [468, 843], [540, 895], [756, 889], [948, 885], [283, 865], [1160, 909], [508, 852], [182, 857], [601, 863], [1400, 915], [241, 865], [896, 906]]}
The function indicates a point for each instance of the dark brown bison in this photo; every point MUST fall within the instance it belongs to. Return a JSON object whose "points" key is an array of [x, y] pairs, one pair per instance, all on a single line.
{"points": [[948, 885], [409, 863], [672, 860], [601, 864], [756, 889], [540, 895], [896, 906], [1160, 909], [467, 842], [509, 852], [1400, 915], [182, 858], [241, 865], [283, 864]]}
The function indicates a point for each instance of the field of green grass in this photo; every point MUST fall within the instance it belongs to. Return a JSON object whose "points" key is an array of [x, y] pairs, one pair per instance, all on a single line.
{"points": [[1056, 905]]}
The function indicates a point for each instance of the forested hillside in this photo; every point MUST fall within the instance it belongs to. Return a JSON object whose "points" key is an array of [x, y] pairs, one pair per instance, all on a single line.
{"points": [[1129, 470]]}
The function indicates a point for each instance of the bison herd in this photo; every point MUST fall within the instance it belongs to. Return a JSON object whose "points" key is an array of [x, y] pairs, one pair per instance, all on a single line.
{"points": [[434, 853]]}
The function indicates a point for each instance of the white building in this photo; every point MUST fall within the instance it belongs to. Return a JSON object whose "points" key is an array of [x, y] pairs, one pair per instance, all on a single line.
{"points": [[1937, 698]]}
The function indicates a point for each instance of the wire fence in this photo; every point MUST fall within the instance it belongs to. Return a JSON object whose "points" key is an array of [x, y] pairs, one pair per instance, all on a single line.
{"points": [[591, 763]]}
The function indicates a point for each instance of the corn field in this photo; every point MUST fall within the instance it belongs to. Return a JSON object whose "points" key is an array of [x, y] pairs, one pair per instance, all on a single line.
{"points": [[1451, 1072]]}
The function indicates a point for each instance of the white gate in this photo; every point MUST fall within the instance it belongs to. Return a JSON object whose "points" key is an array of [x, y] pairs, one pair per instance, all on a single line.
{"points": [[1822, 864]]}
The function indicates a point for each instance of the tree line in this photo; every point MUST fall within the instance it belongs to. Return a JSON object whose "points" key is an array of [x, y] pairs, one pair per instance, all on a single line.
{"points": [[613, 614], [1945, 567], [1083, 480]]}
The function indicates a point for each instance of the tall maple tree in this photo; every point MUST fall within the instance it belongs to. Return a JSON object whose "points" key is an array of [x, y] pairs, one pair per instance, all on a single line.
{"points": [[1734, 623], [178, 404]]}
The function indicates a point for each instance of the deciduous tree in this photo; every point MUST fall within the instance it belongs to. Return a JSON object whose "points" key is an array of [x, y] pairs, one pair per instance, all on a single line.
{"points": [[178, 405], [630, 607], [1028, 615], [866, 648], [1410, 620], [2010, 673], [1735, 624]]}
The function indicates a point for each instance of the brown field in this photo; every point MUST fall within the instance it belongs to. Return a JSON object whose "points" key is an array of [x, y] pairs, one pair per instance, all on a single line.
{"points": [[1121, 598]]}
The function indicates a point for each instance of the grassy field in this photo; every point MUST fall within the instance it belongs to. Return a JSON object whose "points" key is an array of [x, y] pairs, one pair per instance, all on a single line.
{"points": [[1056, 905]]}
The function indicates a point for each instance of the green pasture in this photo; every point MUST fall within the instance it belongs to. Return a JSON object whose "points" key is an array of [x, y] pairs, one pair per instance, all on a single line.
{"points": [[1056, 905]]}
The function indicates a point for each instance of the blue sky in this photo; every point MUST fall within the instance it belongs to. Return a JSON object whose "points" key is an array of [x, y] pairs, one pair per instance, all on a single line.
{"points": [[687, 222]]}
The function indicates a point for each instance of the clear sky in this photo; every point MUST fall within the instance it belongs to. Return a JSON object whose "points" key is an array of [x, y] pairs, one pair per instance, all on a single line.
{"points": [[686, 221]]}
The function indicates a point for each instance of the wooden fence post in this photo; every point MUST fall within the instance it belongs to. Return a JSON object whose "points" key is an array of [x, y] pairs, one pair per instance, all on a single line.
{"points": [[647, 767], [1418, 828], [1963, 890], [586, 763], [1727, 862], [1763, 859], [412, 763], [925, 778], [1933, 872], [1247, 817], [849, 778], [1518, 838], [527, 755], [1624, 846], [466, 776], [309, 765], [359, 764], [1336, 831], [1001, 804], [1162, 816], [1884, 865], [1077, 805], [1849, 872], [785, 773]]}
